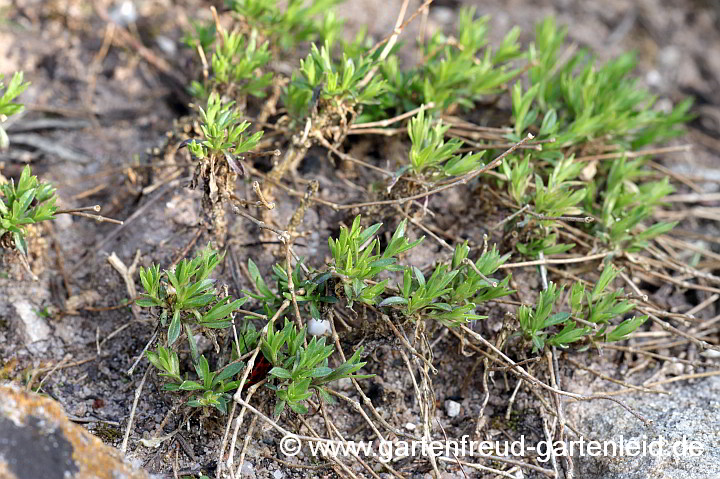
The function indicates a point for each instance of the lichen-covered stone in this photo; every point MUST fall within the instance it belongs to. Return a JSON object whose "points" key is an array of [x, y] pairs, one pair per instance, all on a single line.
{"points": [[38, 441]]}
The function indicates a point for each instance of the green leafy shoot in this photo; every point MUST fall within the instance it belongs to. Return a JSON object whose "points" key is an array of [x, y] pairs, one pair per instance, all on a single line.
{"points": [[580, 101], [237, 61], [288, 24], [626, 204], [431, 156], [357, 258], [299, 369], [326, 86], [535, 321], [311, 289], [519, 174], [452, 293], [187, 298], [463, 69], [28, 202], [213, 388], [8, 106], [598, 307], [223, 131], [562, 195]]}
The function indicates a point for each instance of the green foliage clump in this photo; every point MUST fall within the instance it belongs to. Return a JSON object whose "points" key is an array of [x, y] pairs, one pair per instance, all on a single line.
{"points": [[580, 101], [301, 368], [455, 71], [26, 203], [213, 387], [559, 198], [620, 208], [223, 131], [8, 106], [357, 262], [189, 303], [354, 260], [626, 204], [431, 156], [312, 288], [290, 23], [449, 296], [595, 308], [328, 86], [452, 293], [236, 63], [187, 297], [575, 106]]}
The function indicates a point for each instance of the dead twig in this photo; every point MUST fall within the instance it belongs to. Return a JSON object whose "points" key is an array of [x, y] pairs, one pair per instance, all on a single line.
{"points": [[138, 393]]}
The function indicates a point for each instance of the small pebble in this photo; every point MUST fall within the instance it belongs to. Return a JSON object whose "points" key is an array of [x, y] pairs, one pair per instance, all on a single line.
{"points": [[123, 13], [452, 408], [319, 327], [167, 45], [248, 471]]}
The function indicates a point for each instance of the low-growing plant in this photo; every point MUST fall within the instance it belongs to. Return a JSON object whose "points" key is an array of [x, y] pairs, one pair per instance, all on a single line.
{"points": [[187, 298], [579, 101], [596, 309], [626, 204], [453, 292], [431, 156], [357, 263], [8, 105], [301, 368], [312, 288], [189, 303], [288, 24], [560, 198], [213, 387], [28, 202], [219, 156], [237, 64], [574, 106], [330, 88], [357, 258], [456, 70], [224, 132]]}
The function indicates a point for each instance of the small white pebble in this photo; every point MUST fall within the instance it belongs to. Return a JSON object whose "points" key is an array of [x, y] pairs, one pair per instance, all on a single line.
{"points": [[248, 471], [710, 354], [278, 474], [166, 44], [410, 426], [654, 78], [124, 13], [344, 384], [452, 408], [319, 327]]}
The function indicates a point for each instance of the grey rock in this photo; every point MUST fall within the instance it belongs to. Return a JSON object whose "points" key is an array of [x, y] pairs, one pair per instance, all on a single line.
{"points": [[33, 328], [124, 13], [452, 408], [248, 470], [38, 441], [691, 415]]}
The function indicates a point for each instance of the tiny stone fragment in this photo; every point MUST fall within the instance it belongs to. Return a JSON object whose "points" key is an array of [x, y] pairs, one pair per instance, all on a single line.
{"points": [[452, 408]]}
